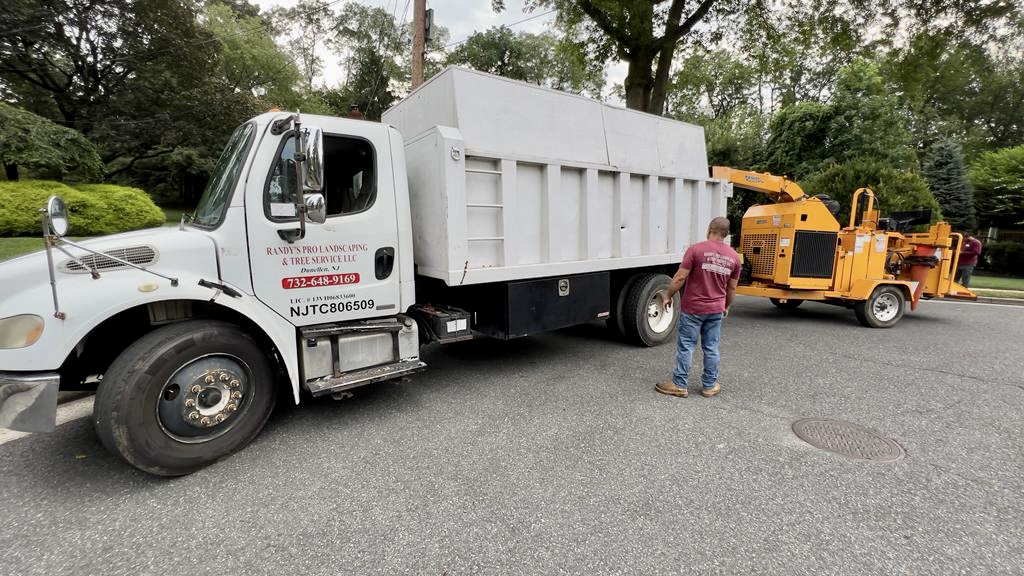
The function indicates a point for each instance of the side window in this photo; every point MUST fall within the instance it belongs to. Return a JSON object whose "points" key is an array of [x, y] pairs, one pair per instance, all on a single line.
{"points": [[350, 178]]}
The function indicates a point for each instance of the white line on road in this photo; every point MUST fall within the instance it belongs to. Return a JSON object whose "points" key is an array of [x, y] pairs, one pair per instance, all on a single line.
{"points": [[65, 413]]}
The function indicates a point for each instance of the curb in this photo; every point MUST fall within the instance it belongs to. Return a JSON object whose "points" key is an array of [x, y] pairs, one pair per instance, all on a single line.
{"points": [[1003, 301]]}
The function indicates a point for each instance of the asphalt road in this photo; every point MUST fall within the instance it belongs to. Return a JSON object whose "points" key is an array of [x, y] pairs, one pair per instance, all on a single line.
{"points": [[553, 454]]}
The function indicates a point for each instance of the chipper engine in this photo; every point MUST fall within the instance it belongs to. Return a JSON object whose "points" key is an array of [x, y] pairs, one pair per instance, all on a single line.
{"points": [[795, 249]]}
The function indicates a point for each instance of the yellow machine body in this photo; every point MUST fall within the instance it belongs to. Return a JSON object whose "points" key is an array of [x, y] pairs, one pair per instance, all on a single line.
{"points": [[796, 249]]}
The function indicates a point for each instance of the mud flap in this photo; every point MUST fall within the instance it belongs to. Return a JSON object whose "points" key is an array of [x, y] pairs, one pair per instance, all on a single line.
{"points": [[28, 403]]}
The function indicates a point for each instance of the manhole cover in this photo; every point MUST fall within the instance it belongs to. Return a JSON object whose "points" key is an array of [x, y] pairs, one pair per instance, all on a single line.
{"points": [[848, 440]]}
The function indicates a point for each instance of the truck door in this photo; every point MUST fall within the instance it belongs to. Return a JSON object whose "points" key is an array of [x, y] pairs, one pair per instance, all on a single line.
{"points": [[344, 269]]}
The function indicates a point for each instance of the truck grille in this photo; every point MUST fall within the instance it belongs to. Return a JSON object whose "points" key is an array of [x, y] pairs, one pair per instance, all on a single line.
{"points": [[138, 255], [759, 250]]}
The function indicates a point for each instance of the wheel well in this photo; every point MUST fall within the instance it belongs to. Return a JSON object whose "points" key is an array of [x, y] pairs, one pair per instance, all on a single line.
{"points": [[103, 344]]}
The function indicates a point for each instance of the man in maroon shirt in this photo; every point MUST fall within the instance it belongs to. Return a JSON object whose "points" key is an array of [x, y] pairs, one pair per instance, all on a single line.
{"points": [[709, 271], [969, 254]]}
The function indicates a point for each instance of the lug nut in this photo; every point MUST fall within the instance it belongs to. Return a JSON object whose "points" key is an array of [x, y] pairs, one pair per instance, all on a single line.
{"points": [[219, 418], [193, 415], [231, 407], [236, 395], [234, 384], [196, 388], [210, 379], [190, 403], [205, 421]]}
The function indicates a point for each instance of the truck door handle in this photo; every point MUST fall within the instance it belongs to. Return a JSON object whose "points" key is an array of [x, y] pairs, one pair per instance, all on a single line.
{"points": [[384, 262]]}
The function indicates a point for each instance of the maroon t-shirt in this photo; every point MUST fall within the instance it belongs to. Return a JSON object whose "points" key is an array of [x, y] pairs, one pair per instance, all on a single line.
{"points": [[712, 264], [970, 252]]}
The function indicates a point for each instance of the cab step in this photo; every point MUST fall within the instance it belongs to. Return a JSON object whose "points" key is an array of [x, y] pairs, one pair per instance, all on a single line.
{"points": [[334, 384]]}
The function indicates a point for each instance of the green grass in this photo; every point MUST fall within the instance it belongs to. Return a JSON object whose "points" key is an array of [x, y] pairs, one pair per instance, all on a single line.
{"points": [[997, 293], [173, 215], [11, 247], [997, 282]]}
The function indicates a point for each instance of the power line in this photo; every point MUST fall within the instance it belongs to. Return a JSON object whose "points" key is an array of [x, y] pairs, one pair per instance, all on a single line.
{"points": [[516, 23]]}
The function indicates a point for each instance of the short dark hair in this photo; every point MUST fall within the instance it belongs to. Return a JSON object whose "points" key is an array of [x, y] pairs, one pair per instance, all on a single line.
{"points": [[720, 226]]}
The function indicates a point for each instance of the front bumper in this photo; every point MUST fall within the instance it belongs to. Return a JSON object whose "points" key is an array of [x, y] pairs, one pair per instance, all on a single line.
{"points": [[28, 401]]}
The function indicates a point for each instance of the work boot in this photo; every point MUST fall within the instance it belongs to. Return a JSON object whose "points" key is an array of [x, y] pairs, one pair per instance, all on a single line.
{"points": [[709, 392], [671, 389]]}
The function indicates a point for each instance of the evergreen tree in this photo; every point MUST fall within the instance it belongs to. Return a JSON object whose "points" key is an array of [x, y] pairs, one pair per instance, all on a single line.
{"points": [[946, 173]]}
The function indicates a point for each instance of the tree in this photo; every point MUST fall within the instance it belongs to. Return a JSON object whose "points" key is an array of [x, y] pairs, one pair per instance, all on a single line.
{"points": [[863, 120], [644, 33], [535, 58], [998, 179], [304, 29], [946, 173], [33, 141], [250, 60], [80, 54]]}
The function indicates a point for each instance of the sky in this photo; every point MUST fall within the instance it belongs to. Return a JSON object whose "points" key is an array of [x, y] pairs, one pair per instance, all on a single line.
{"points": [[462, 18]]}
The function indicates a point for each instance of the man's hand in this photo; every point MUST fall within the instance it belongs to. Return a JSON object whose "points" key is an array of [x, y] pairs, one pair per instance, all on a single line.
{"points": [[726, 313], [666, 301]]}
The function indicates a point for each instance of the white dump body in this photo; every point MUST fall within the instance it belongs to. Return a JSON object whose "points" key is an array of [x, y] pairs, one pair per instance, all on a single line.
{"points": [[508, 181]]}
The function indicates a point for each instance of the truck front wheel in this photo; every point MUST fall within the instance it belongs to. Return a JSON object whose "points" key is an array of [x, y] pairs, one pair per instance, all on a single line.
{"points": [[645, 321], [184, 396], [883, 309]]}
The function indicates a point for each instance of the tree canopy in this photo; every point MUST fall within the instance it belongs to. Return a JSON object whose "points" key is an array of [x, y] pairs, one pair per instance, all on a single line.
{"points": [[29, 140]]}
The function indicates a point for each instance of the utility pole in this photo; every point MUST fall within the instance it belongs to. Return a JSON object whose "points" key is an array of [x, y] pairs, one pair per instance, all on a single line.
{"points": [[419, 30]]}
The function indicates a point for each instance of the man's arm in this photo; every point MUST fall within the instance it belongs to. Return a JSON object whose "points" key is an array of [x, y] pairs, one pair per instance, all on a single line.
{"points": [[730, 294], [675, 286]]}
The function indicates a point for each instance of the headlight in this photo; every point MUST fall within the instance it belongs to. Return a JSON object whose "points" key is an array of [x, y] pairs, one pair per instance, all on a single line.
{"points": [[20, 331]]}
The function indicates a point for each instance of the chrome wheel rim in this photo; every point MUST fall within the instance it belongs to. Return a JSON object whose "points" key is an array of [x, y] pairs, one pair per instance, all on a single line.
{"points": [[886, 307], [659, 319], [204, 398]]}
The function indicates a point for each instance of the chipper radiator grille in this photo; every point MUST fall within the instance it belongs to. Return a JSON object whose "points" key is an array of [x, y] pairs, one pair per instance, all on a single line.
{"points": [[759, 250]]}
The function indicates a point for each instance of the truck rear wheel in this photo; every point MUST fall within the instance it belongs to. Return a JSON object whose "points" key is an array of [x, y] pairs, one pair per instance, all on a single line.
{"points": [[184, 396], [645, 322], [883, 309], [615, 321], [788, 304]]}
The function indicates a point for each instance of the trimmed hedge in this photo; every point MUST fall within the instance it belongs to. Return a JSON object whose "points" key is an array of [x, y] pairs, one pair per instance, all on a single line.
{"points": [[1005, 257], [93, 209]]}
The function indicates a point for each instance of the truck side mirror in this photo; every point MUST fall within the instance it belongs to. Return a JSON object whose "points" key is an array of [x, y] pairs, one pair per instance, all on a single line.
{"points": [[56, 216], [313, 173], [316, 208]]}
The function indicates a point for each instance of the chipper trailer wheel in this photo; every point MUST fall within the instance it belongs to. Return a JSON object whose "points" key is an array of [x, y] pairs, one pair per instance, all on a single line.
{"points": [[883, 309], [646, 323], [788, 304], [184, 396]]}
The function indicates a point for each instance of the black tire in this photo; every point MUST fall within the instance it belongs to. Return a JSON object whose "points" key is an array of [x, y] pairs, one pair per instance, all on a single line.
{"points": [[789, 304], [635, 311], [615, 321], [136, 412], [883, 309]]}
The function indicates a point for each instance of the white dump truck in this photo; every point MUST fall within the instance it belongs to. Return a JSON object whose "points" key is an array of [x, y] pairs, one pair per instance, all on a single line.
{"points": [[480, 206]]}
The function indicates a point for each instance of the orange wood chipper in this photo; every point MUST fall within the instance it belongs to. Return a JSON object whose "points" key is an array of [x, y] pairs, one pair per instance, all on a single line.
{"points": [[794, 250]]}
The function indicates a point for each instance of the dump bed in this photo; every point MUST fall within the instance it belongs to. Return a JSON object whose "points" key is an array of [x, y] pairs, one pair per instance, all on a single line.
{"points": [[508, 181]]}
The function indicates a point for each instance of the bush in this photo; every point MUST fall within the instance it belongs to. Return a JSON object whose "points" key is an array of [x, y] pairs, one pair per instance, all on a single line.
{"points": [[895, 190], [998, 179], [1005, 257], [93, 209]]}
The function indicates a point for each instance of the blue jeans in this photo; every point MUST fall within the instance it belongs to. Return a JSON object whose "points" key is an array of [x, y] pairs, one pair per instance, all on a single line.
{"points": [[709, 327]]}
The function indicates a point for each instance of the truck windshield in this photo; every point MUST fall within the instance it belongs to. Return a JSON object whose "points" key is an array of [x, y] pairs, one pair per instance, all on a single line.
{"points": [[215, 199]]}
